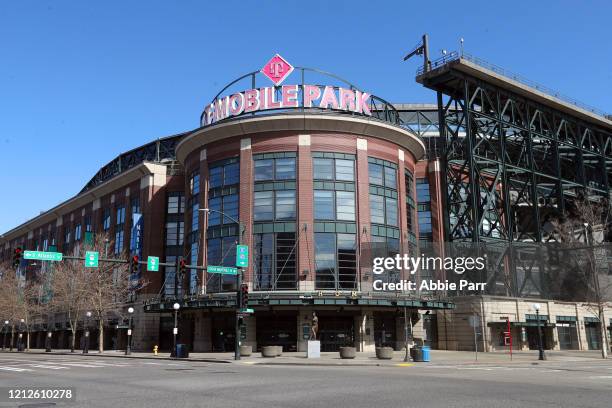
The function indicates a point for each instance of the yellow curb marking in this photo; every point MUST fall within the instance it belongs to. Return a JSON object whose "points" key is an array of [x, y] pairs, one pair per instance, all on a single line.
{"points": [[404, 365]]}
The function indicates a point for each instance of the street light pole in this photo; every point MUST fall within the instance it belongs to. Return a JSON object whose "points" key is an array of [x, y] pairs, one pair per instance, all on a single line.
{"points": [[86, 341], [6, 322], [176, 308], [406, 358], [20, 337], [128, 348], [238, 284], [541, 355]]}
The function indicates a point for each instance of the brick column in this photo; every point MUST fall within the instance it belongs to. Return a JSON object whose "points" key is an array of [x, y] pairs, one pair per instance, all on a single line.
{"points": [[306, 265], [363, 209], [401, 200], [246, 204], [202, 256]]}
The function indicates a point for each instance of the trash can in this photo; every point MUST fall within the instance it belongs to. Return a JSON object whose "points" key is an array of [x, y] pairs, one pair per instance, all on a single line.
{"points": [[425, 351], [181, 351], [417, 354]]}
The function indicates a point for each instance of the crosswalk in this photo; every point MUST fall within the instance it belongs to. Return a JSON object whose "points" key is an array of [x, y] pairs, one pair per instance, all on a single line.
{"points": [[30, 366]]}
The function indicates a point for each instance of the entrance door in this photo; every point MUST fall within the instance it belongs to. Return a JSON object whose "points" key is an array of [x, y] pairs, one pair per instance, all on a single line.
{"points": [[277, 329], [593, 335], [384, 330], [430, 326], [567, 336], [532, 338], [223, 332], [336, 332]]}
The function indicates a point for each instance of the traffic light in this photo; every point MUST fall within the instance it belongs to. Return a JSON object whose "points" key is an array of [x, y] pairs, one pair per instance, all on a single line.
{"points": [[134, 265], [182, 267], [244, 296], [17, 255]]}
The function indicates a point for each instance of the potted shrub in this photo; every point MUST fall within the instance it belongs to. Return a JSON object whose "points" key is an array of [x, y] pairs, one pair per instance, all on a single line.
{"points": [[269, 351], [384, 353], [348, 352]]}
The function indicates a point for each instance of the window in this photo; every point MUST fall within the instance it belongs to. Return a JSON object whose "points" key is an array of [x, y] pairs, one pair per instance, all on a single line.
{"points": [[194, 183], [274, 166], [135, 204], [67, 236], [333, 166], [88, 223], [224, 173], [334, 205], [424, 209], [106, 219], [195, 217], [382, 173], [274, 205], [409, 180], [193, 273], [77, 232], [172, 287], [335, 261], [385, 247], [120, 211], [274, 260], [222, 252], [377, 209], [174, 233], [119, 239], [176, 203]]}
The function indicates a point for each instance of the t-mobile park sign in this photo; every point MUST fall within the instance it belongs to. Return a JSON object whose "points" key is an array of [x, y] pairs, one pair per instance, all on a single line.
{"points": [[286, 97]]}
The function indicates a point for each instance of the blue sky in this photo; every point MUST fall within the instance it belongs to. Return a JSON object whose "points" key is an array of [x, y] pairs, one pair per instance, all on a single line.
{"points": [[81, 82]]}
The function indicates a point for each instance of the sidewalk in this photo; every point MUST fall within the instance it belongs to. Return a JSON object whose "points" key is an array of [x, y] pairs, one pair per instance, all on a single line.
{"points": [[438, 357]]}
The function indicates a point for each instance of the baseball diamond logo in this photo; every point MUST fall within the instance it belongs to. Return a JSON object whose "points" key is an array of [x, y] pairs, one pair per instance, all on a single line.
{"points": [[277, 69]]}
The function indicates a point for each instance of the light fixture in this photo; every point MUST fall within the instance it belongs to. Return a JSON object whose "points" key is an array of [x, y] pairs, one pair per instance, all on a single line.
{"points": [[536, 306], [130, 310], [176, 306], [88, 314]]}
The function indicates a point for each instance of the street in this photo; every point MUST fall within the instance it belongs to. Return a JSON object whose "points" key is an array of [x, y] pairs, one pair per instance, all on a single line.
{"points": [[119, 382]]}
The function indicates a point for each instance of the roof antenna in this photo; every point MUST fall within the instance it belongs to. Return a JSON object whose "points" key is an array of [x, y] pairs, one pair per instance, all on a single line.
{"points": [[461, 41], [421, 49]]}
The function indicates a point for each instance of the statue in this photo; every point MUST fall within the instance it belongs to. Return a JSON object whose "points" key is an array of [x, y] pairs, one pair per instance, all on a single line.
{"points": [[314, 328]]}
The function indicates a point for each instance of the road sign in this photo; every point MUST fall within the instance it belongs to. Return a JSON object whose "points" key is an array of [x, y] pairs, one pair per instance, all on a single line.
{"points": [[153, 264], [247, 311], [224, 270], [91, 259], [242, 256], [42, 256]]}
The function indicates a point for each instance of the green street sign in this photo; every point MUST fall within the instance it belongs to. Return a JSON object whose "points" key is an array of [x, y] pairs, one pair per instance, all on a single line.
{"points": [[153, 264], [91, 259], [247, 311], [43, 256], [224, 270], [242, 256]]}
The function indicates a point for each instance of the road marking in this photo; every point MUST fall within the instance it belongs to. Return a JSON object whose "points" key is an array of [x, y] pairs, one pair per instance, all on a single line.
{"points": [[18, 369], [601, 376], [81, 365], [404, 365], [50, 367]]}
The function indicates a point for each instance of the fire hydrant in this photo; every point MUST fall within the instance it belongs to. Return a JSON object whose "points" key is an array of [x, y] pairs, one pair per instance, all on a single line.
{"points": [[155, 348]]}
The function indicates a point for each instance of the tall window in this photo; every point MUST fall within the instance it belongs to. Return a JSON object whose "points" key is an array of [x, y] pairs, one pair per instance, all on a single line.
{"points": [[106, 219], [424, 209], [275, 261], [174, 233], [119, 233], [410, 207], [334, 187], [383, 192], [335, 261], [77, 232], [135, 204], [274, 213], [222, 233]]}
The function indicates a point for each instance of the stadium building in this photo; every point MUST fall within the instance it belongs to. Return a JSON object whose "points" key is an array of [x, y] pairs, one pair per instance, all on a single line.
{"points": [[312, 173]]}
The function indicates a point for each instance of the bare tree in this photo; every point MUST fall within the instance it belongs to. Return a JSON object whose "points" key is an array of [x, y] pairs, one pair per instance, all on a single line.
{"points": [[9, 297], [70, 286], [110, 286], [586, 228]]}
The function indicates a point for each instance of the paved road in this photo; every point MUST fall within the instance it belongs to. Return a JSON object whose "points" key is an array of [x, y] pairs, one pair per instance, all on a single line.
{"points": [[116, 382]]}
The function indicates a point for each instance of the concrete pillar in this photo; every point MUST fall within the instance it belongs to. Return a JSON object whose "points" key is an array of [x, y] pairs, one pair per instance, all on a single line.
{"points": [[246, 202], [363, 208], [304, 317], [306, 266]]}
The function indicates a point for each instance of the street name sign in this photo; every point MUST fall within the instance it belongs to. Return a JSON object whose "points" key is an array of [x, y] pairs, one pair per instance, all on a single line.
{"points": [[91, 259], [43, 256], [153, 264], [242, 256], [224, 270]]}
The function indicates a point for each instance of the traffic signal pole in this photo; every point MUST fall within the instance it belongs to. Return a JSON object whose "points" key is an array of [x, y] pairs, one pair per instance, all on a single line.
{"points": [[238, 304]]}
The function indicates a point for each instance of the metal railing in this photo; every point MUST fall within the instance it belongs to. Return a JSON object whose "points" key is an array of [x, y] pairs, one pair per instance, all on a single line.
{"points": [[453, 56]]}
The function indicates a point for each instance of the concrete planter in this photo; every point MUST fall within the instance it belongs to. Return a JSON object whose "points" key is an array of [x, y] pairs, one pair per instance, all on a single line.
{"points": [[246, 350], [279, 351], [384, 353], [348, 352], [269, 351]]}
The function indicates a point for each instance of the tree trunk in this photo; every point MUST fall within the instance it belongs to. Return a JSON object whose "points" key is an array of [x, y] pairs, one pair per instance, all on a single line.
{"points": [[28, 340], [73, 340], [100, 336], [604, 333], [12, 337]]}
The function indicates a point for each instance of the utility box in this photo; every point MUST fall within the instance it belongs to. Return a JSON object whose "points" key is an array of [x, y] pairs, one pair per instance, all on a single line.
{"points": [[314, 349]]}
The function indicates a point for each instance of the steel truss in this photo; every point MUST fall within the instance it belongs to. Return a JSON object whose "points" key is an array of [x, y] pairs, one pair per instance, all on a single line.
{"points": [[511, 166]]}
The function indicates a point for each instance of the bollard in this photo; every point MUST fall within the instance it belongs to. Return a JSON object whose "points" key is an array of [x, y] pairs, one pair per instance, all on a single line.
{"points": [[155, 348]]}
